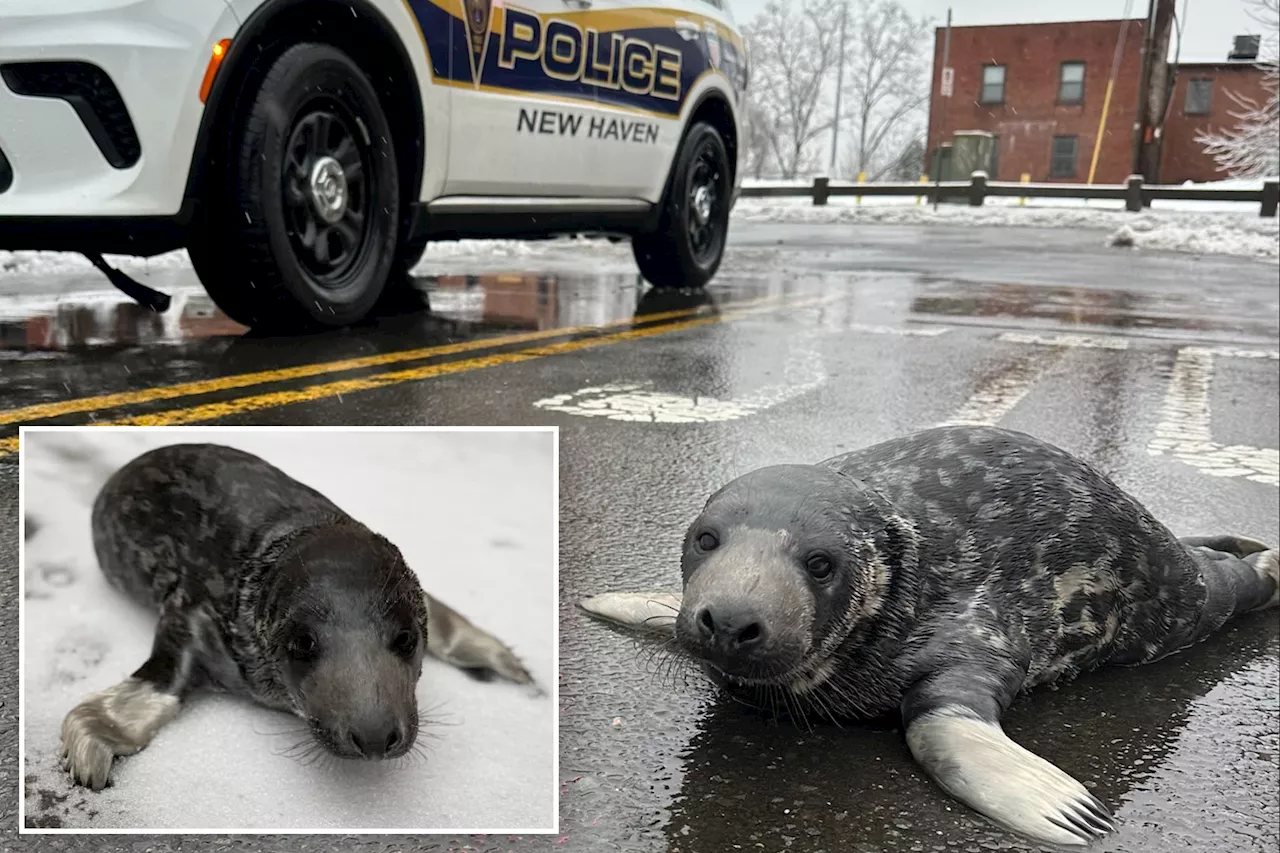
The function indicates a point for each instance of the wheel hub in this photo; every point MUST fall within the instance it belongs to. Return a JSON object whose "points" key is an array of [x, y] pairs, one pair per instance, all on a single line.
{"points": [[702, 203], [328, 185]]}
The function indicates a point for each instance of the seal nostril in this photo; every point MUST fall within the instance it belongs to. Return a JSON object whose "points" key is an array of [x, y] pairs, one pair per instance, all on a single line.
{"points": [[357, 743], [706, 623], [749, 635], [393, 740]]}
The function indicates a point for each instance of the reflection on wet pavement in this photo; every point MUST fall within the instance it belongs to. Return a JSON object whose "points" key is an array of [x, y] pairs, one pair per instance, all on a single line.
{"points": [[1085, 306], [803, 788], [472, 305], [452, 307]]}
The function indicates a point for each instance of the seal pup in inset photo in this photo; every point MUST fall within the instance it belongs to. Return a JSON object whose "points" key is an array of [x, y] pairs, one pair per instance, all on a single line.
{"points": [[266, 589], [938, 576]]}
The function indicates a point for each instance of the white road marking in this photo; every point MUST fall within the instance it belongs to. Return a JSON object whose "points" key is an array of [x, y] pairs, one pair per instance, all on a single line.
{"points": [[1234, 352], [635, 401], [639, 402], [997, 396], [1085, 341], [892, 330], [1184, 429]]}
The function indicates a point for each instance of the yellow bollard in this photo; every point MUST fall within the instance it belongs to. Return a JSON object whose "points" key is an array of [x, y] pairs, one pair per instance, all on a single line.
{"points": [[862, 179], [924, 179], [1026, 179]]}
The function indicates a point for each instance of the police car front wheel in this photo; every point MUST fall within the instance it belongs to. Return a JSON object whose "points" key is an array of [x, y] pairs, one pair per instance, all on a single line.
{"points": [[686, 249], [302, 229]]}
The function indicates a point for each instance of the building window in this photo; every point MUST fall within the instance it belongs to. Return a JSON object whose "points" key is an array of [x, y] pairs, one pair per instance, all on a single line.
{"points": [[1063, 162], [993, 170], [992, 85], [1199, 96], [1071, 84]]}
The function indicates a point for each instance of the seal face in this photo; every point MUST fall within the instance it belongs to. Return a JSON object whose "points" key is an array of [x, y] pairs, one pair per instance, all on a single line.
{"points": [[342, 621], [773, 578], [267, 589], [939, 575]]}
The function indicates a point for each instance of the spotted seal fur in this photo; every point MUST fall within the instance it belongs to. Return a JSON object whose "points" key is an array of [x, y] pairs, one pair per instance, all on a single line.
{"points": [[939, 575], [265, 588]]}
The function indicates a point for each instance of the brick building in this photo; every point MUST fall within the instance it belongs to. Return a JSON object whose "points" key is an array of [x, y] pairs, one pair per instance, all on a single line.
{"points": [[1039, 90], [1202, 101]]}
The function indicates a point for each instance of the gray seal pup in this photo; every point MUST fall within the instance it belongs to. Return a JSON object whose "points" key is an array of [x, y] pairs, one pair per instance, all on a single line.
{"points": [[265, 588], [939, 575]]}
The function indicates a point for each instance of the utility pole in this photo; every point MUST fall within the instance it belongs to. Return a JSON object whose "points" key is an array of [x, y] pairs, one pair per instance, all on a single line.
{"points": [[1144, 88], [835, 125], [936, 160]]}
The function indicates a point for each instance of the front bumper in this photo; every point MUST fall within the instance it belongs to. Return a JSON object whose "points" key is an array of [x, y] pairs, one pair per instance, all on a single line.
{"points": [[154, 54]]}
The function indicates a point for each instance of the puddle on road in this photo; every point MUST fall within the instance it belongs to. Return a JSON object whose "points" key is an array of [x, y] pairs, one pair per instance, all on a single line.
{"points": [[1088, 306], [437, 308]]}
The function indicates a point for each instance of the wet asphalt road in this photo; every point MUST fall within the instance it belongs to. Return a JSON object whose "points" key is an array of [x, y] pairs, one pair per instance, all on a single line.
{"points": [[812, 341]]}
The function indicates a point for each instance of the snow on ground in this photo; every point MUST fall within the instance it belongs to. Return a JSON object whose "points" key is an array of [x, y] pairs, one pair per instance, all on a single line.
{"points": [[1198, 227], [1176, 230], [473, 515]]}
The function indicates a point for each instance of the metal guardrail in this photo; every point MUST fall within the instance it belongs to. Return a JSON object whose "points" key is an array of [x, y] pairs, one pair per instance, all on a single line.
{"points": [[1135, 194]]}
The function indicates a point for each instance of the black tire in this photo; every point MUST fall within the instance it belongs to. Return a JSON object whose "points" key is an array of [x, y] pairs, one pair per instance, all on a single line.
{"points": [[686, 249], [273, 244]]}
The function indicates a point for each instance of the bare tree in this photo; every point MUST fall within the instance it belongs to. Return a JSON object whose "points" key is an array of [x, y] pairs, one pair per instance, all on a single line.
{"points": [[1251, 149], [793, 49], [888, 84], [759, 142]]}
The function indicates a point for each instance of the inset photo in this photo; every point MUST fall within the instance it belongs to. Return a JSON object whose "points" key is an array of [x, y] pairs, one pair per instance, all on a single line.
{"points": [[288, 630]]}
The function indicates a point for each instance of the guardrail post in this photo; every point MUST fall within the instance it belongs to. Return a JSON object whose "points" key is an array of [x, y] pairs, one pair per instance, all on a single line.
{"points": [[977, 188], [1133, 194], [821, 191], [1270, 197]]}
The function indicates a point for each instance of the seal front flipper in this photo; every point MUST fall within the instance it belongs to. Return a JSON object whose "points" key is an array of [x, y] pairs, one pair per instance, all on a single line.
{"points": [[953, 731], [654, 612], [453, 639], [123, 719]]}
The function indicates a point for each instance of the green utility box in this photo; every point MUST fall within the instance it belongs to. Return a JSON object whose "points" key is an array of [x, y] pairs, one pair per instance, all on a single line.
{"points": [[940, 163], [971, 151]]}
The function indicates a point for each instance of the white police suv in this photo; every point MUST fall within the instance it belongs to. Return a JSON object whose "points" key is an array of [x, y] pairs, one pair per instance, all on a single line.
{"points": [[305, 151]]}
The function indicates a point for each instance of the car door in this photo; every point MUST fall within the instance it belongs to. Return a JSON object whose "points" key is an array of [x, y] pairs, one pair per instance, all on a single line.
{"points": [[520, 110], [667, 49]]}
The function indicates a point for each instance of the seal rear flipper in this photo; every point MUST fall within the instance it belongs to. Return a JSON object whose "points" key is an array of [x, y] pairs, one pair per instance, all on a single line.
{"points": [[1240, 575], [954, 733], [453, 639], [123, 719], [654, 612]]}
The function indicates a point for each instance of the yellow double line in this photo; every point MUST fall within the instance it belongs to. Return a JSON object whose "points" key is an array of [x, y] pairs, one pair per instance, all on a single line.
{"points": [[655, 325]]}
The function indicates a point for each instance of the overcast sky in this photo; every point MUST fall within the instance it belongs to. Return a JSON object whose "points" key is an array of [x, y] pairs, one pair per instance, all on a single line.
{"points": [[1207, 32]]}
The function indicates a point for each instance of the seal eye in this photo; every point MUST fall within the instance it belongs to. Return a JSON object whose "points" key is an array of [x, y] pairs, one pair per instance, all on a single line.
{"points": [[303, 646], [708, 541], [819, 566], [405, 643]]}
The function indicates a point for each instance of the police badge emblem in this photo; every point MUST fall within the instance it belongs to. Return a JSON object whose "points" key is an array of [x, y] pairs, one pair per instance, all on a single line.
{"points": [[478, 14]]}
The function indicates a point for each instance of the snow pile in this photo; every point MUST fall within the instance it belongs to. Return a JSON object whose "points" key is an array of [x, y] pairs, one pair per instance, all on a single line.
{"points": [[1201, 235], [473, 515]]}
